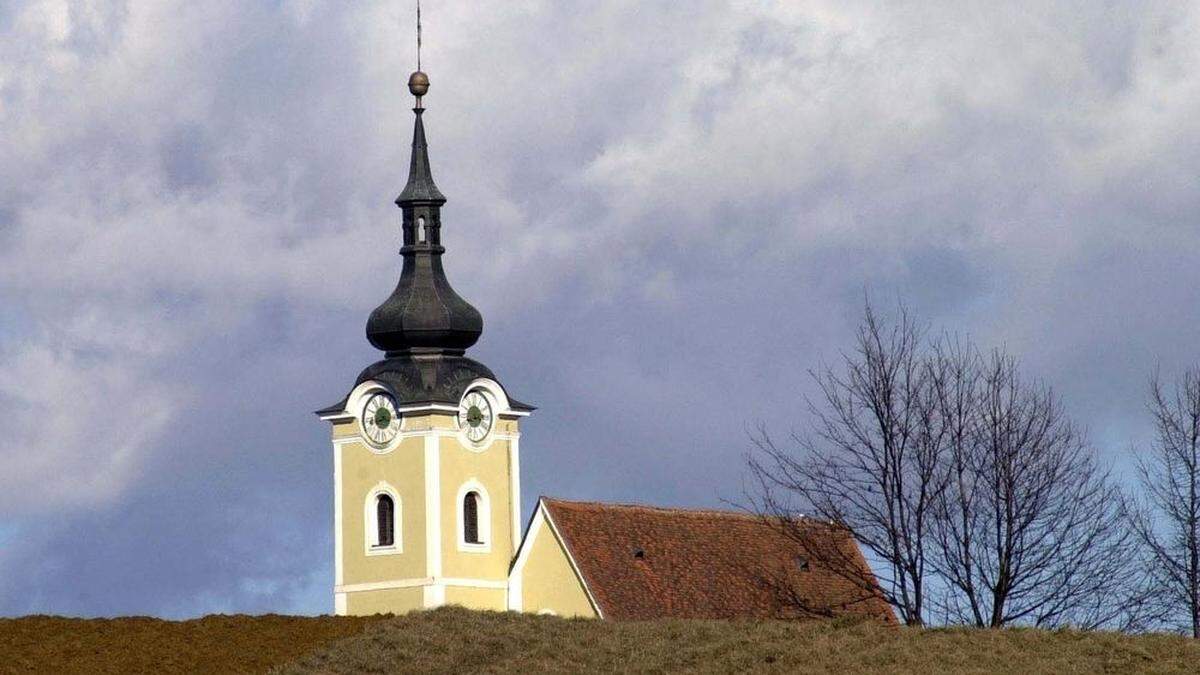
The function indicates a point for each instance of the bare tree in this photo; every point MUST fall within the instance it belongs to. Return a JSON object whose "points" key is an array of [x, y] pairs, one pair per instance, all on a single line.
{"points": [[957, 390], [872, 464], [1030, 529], [963, 482], [1169, 520]]}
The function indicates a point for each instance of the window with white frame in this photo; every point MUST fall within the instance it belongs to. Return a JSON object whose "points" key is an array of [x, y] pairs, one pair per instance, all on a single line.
{"points": [[474, 518], [381, 520]]}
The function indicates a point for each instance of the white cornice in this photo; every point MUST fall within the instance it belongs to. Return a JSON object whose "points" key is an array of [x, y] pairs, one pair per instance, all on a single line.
{"points": [[421, 581], [428, 407], [421, 433]]}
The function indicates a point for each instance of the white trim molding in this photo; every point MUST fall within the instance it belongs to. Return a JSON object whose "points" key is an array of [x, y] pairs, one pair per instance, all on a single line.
{"points": [[496, 393], [384, 585], [406, 433], [371, 521], [428, 407], [483, 512], [457, 582], [433, 506], [514, 491], [434, 595], [337, 517]]}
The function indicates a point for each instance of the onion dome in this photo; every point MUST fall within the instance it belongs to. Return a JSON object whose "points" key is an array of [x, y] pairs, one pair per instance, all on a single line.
{"points": [[423, 314]]}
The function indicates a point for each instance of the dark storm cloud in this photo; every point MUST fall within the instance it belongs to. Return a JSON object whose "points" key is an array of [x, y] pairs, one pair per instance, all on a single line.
{"points": [[667, 213]]}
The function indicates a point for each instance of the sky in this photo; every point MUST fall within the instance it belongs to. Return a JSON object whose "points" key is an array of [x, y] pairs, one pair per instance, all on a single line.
{"points": [[668, 213]]}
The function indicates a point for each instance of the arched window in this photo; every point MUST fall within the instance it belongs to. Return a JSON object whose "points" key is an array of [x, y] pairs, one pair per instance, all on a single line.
{"points": [[385, 521], [383, 532], [470, 521], [474, 517]]}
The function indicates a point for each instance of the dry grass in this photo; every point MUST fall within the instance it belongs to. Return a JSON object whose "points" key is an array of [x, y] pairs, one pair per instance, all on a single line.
{"points": [[213, 644], [453, 639], [448, 640]]}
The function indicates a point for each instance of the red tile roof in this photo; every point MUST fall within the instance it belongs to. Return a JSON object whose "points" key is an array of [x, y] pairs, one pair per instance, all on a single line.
{"points": [[642, 562]]}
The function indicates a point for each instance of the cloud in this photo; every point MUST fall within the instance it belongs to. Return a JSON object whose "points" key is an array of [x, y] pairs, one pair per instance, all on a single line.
{"points": [[666, 212], [86, 428]]}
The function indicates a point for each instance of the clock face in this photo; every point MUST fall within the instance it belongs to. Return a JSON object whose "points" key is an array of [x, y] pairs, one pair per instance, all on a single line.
{"points": [[475, 416], [380, 421]]}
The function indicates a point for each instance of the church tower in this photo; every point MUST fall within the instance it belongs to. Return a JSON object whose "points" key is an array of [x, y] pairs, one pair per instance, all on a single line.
{"points": [[426, 467]]}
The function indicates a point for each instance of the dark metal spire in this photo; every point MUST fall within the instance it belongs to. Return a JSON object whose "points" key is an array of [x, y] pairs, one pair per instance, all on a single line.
{"points": [[420, 187], [423, 327], [423, 315]]}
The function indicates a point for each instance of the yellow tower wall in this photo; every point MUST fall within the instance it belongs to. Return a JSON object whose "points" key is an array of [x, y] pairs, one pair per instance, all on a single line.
{"points": [[477, 575], [401, 469], [428, 468], [384, 601], [464, 469]]}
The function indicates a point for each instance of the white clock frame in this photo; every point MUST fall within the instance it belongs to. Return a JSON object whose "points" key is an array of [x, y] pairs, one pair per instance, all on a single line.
{"points": [[397, 419], [493, 416]]}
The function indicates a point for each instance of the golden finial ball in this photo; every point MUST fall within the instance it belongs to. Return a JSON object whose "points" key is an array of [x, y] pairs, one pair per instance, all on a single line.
{"points": [[418, 83]]}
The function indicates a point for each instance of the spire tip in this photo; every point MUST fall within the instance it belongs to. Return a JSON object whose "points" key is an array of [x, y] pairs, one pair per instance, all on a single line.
{"points": [[418, 84]]}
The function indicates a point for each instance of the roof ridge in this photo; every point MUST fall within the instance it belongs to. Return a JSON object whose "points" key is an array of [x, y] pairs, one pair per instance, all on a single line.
{"points": [[672, 510]]}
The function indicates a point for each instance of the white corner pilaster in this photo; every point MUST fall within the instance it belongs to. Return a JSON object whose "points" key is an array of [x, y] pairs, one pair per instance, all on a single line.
{"points": [[433, 507], [338, 548], [514, 470], [435, 595]]}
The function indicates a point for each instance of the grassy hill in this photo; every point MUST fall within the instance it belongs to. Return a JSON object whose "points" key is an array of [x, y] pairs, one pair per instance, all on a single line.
{"points": [[458, 640], [213, 644]]}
